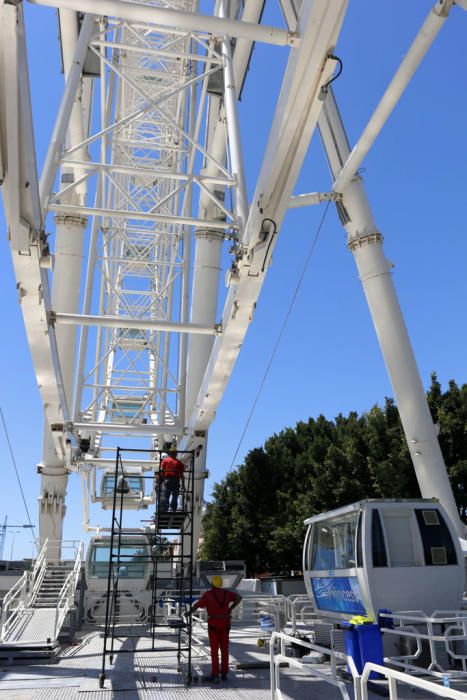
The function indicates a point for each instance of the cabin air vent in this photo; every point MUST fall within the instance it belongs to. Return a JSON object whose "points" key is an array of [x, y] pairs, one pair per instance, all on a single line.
{"points": [[430, 517], [439, 556]]}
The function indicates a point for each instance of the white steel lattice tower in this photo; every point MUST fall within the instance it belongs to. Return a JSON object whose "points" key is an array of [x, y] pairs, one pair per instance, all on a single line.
{"points": [[145, 162]]}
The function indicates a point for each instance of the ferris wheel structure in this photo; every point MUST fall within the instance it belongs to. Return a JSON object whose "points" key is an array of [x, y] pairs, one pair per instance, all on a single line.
{"points": [[144, 192]]}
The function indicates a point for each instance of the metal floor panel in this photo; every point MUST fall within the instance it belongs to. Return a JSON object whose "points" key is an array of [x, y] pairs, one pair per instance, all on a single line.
{"points": [[139, 675], [35, 625]]}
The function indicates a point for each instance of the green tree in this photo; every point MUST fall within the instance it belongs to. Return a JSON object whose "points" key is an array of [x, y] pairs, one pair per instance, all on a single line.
{"points": [[449, 411], [257, 512]]}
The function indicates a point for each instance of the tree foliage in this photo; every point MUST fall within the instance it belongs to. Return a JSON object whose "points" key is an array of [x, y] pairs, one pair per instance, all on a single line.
{"points": [[257, 511]]}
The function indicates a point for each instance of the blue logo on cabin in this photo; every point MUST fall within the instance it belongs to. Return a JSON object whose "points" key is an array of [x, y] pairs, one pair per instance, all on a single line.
{"points": [[338, 594]]}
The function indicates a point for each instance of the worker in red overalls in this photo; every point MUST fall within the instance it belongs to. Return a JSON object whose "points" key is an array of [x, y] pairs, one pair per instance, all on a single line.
{"points": [[219, 604], [171, 475]]}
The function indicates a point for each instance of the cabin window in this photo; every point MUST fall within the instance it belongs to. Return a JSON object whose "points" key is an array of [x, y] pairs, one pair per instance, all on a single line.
{"points": [[380, 557], [132, 565], [135, 484], [438, 547], [398, 528], [334, 544]]}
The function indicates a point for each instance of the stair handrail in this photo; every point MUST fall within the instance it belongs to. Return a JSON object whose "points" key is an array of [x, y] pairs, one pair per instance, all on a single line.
{"points": [[38, 573], [21, 595], [66, 597], [14, 601]]}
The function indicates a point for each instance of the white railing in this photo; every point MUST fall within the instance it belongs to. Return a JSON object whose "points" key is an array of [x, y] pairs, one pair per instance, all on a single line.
{"points": [[361, 689], [55, 550], [394, 677], [13, 603], [442, 631], [254, 606], [300, 609], [38, 573], [275, 660], [22, 594], [66, 597]]}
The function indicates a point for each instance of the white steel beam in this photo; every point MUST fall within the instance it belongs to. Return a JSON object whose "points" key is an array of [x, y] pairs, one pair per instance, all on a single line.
{"points": [[102, 462], [160, 53], [312, 198], [31, 276], [294, 122], [150, 172], [424, 39], [129, 428], [129, 322], [139, 216], [66, 108], [233, 128], [165, 17]]}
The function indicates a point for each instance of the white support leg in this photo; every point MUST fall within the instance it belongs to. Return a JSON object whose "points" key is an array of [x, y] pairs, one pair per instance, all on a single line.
{"points": [[52, 509], [207, 267], [66, 285], [65, 295], [199, 445], [366, 244]]}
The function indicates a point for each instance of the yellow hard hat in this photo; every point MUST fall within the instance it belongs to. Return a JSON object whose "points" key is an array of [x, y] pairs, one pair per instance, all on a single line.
{"points": [[217, 581]]}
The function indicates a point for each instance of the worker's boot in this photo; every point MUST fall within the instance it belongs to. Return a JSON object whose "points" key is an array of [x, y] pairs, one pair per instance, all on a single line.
{"points": [[225, 676], [211, 679]]}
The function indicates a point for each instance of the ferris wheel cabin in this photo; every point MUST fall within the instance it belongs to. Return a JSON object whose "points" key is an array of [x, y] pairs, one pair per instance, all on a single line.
{"points": [[383, 554], [133, 564]]}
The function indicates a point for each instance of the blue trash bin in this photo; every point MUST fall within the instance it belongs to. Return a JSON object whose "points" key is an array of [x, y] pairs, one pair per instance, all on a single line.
{"points": [[352, 645], [371, 645]]}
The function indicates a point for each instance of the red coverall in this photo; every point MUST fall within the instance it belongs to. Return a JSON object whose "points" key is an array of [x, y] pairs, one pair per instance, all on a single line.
{"points": [[217, 601], [171, 474]]}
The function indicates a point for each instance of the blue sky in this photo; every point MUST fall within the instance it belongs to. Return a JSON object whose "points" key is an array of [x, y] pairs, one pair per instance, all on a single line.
{"points": [[329, 360]]}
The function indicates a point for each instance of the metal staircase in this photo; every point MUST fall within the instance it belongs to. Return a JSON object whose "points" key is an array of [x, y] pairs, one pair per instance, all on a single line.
{"points": [[36, 608], [54, 579]]}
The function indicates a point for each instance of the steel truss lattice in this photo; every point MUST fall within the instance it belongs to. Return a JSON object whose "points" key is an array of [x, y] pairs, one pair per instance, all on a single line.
{"points": [[146, 162]]}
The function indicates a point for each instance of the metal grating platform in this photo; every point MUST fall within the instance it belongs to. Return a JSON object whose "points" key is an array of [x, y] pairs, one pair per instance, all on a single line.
{"points": [[35, 625], [168, 520], [139, 675]]}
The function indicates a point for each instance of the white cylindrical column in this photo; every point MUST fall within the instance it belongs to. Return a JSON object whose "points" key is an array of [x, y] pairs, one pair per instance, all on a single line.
{"points": [[68, 269], [207, 266], [209, 241], [68, 262], [366, 244], [65, 297], [420, 433], [233, 132]]}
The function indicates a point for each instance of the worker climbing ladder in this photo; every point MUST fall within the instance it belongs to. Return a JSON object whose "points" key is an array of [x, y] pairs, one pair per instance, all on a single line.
{"points": [[165, 547]]}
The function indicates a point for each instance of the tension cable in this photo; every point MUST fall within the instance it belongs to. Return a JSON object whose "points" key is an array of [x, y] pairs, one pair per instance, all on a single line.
{"points": [[281, 332]]}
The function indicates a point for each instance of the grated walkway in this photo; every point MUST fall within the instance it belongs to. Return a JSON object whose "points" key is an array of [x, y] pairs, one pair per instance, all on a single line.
{"points": [[34, 625], [139, 675]]}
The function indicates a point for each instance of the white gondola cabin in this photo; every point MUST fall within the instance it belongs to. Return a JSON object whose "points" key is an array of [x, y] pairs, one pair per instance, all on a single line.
{"points": [[383, 554], [130, 491]]}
